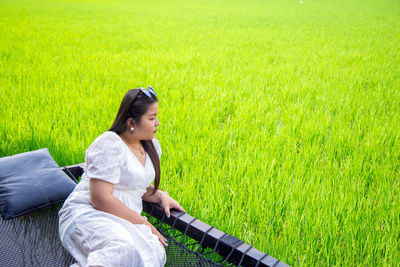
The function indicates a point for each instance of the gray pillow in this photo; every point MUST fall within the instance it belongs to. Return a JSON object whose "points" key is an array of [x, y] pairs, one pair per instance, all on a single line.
{"points": [[30, 181]]}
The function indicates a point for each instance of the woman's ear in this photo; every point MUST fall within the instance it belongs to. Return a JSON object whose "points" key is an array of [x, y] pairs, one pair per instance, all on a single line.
{"points": [[132, 122]]}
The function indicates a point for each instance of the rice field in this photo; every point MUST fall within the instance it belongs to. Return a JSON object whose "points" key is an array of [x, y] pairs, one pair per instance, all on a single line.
{"points": [[279, 120]]}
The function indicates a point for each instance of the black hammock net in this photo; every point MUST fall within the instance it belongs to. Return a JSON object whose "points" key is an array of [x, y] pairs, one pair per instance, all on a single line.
{"points": [[33, 239]]}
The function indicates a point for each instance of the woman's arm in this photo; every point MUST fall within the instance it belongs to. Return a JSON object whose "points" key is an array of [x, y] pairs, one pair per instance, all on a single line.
{"points": [[102, 199]]}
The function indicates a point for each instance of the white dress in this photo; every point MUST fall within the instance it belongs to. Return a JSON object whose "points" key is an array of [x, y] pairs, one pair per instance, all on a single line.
{"points": [[94, 237]]}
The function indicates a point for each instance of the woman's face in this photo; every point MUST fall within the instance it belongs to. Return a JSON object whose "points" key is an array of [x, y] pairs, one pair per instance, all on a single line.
{"points": [[148, 124]]}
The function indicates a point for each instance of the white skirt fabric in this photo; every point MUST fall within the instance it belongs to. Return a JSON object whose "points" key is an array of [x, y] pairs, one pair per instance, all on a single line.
{"points": [[108, 240]]}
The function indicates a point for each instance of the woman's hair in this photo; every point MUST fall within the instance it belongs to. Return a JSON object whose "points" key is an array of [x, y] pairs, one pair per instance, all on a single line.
{"points": [[134, 104]]}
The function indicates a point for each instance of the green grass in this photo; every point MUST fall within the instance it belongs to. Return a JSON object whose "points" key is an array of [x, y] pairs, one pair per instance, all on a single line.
{"points": [[279, 121]]}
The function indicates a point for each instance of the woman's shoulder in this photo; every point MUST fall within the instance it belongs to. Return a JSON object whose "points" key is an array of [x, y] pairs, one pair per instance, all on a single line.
{"points": [[155, 141], [157, 145], [108, 138], [109, 135]]}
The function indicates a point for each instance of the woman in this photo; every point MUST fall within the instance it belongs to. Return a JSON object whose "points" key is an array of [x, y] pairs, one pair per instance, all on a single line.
{"points": [[100, 222]]}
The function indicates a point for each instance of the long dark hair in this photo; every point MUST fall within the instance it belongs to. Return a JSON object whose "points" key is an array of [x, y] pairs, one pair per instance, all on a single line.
{"points": [[134, 104]]}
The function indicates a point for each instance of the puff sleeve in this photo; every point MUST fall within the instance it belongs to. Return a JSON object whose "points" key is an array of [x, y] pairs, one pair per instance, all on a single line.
{"points": [[157, 146], [104, 158]]}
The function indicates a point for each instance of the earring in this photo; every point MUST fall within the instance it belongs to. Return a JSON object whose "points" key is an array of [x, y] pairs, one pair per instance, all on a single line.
{"points": [[131, 131]]}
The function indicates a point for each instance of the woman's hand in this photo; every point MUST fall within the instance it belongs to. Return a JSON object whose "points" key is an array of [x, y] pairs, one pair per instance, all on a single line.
{"points": [[161, 238], [168, 202]]}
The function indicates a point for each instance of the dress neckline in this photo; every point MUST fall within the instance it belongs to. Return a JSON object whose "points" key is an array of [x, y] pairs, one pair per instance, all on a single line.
{"points": [[133, 154]]}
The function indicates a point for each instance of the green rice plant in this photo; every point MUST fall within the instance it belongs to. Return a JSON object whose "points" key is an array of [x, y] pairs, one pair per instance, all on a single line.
{"points": [[279, 119]]}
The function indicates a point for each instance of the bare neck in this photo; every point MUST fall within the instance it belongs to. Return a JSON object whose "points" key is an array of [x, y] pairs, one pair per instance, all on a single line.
{"points": [[130, 139]]}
